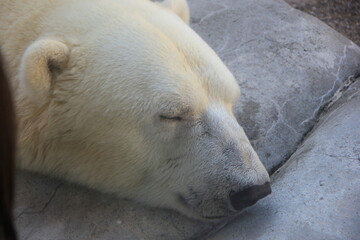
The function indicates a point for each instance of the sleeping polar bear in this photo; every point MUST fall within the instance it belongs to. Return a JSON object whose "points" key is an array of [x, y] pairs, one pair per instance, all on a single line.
{"points": [[122, 96]]}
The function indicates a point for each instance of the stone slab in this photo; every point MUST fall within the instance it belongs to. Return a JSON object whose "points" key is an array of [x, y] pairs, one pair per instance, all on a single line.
{"points": [[316, 193], [287, 63], [52, 209]]}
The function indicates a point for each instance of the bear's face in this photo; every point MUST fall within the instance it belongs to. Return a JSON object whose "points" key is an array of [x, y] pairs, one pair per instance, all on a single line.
{"points": [[145, 111]]}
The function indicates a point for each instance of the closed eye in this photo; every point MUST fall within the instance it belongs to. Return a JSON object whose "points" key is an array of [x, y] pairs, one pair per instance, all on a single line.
{"points": [[168, 118]]}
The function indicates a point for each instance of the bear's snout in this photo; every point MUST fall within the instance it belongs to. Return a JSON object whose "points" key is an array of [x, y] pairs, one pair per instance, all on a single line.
{"points": [[249, 196]]}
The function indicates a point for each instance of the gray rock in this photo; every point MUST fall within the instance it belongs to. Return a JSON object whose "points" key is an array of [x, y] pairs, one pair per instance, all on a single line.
{"points": [[316, 193], [52, 209], [288, 65]]}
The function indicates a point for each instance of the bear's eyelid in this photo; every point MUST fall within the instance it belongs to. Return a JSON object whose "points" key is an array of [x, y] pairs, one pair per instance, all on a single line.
{"points": [[177, 115], [175, 118], [176, 112]]}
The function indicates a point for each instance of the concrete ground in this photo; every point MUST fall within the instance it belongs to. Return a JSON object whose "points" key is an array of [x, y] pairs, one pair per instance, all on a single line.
{"points": [[300, 108]]}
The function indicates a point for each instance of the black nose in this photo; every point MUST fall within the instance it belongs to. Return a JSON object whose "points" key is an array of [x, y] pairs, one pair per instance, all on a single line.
{"points": [[249, 196]]}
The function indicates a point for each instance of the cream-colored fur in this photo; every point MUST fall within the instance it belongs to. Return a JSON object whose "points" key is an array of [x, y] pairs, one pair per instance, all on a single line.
{"points": [[122, 96], [179, 7], [38, 67]]}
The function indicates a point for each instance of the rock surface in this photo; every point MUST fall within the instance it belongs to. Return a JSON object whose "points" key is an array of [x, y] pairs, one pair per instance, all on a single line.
{"points": [[316, 193], [343, 16], [51, 209], [288, 65]]}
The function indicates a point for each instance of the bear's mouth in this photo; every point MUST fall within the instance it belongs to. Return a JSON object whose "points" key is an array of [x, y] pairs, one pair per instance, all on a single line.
{"points": [[186, 204]]}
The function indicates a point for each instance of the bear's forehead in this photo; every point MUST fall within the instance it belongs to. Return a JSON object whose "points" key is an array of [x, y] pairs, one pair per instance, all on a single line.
{"points": [[152, 56], [159, 53]]}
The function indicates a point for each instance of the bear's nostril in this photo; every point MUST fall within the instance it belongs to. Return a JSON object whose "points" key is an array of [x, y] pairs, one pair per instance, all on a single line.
{"points": [[249, 196]]}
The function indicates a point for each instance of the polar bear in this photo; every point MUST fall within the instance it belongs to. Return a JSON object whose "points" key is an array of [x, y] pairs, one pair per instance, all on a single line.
{"points": [[124, 97]]}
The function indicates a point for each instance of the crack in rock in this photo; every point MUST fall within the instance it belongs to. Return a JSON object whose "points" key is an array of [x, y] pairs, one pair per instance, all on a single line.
{"points": [[43, 208], [336, 96], [335, 156], [280, 117], [347, 83], [329, 94], [213, 13]]}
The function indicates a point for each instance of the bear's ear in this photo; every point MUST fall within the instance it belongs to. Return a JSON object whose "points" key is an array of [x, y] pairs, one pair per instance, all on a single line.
{"points": [[179, 7], [42, 61]]}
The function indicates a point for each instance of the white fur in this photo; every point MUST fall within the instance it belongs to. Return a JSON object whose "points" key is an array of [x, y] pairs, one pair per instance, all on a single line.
{"points": [[179, 7], [34, 69], [95, 83]]}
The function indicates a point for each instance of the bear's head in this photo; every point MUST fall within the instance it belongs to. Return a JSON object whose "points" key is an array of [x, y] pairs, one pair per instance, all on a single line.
{"points": [[124, 97]]}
